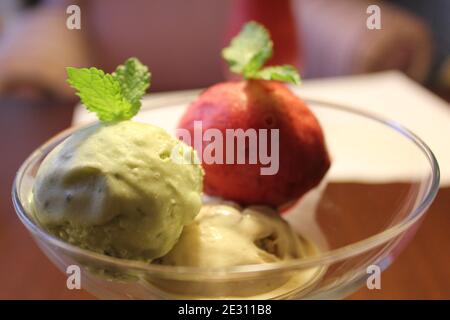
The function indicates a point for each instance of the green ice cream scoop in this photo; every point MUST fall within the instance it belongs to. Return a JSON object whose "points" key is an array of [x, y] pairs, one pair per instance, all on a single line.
{"points": [[115, 189]]}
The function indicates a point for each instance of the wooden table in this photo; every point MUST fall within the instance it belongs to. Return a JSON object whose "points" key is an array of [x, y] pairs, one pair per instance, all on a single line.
{"points": [[421, 271]]}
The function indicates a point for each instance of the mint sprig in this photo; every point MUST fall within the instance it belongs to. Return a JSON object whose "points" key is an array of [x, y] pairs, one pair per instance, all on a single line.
{"points": [[285, 73], [250, 50], [113, 97]]}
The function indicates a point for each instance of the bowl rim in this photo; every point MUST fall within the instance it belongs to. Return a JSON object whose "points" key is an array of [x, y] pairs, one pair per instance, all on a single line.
{"points": [[321, 259]]}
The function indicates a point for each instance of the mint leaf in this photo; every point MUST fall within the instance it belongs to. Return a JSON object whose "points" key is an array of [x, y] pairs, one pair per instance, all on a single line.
{"points": [[134, 80], [100, 93], [113, 97], [249, 50], [285, 73]]}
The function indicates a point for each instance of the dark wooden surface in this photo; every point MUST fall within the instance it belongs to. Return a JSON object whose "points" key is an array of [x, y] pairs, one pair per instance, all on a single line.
{"points": [[421, 271]]}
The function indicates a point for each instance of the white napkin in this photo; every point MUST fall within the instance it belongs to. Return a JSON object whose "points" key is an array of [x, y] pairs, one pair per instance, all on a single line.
{"points": [[389, 94]]}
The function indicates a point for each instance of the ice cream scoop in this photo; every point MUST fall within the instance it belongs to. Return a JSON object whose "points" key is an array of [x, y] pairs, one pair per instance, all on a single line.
{"points": [[223, 236], [278, 151], [114, 188]]}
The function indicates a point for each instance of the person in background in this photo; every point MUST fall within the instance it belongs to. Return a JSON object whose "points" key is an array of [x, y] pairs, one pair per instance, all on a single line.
{"points": [[181, 41]]}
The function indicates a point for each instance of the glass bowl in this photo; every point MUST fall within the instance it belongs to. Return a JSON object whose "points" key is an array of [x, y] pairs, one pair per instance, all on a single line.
{"points": [[381, 182]]}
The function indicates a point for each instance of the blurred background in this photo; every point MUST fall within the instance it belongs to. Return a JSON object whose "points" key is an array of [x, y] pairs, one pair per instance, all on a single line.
{"points": [[181, 42]]}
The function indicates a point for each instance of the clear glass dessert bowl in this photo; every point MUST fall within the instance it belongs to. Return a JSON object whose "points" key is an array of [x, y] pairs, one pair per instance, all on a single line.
{"points": [[382, 180]]}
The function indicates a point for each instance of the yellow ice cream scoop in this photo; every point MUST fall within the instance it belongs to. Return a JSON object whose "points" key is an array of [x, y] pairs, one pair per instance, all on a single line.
{"points": [[223, 236], [115, 189]]}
